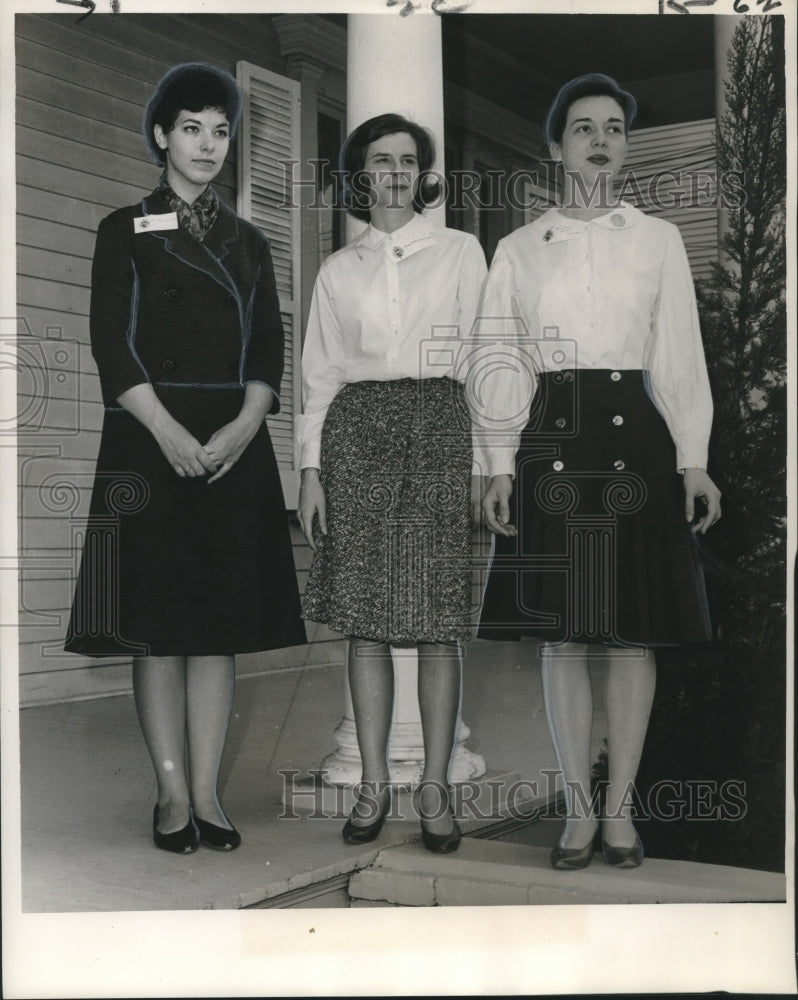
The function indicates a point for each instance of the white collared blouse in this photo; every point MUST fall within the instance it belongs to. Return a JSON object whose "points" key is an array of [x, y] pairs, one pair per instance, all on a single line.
{"points": [[387, 306], [615, 292]]}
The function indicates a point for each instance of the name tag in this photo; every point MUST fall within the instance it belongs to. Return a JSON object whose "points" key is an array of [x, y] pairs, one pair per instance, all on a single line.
{"points": [[559, 233], [152, 223]]}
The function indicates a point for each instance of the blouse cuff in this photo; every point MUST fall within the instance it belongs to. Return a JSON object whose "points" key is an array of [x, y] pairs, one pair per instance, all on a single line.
{"points": [[501, 461], [691, 458], [310, 455]]}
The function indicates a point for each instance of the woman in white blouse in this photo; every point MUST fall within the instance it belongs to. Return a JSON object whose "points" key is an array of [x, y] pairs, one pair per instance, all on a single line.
{"points": [[596, 415], [385, 453]]}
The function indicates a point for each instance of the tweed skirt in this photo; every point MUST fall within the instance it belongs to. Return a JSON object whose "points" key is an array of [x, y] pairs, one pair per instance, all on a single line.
{"points": [[395, 565], [603, 553]]}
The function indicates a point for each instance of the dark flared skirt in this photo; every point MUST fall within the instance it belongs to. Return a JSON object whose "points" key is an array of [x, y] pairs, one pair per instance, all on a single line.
{"points": [[176, 566], [395, 565], [603, 552]]}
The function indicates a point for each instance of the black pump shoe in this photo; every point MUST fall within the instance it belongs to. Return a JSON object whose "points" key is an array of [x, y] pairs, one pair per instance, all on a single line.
{"points": [[364, 833], [574, 858], [184, 841], [623, 857], [439, 843], [219, 838], [442, 843], [571, 858]]}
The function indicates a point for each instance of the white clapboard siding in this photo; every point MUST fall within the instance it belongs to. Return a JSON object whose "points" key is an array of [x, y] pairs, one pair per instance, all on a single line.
{"points": [[267, 137], [687, 150]]}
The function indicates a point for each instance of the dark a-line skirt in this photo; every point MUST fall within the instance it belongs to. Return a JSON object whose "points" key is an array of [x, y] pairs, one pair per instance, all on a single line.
{"points": [[175, 566], [395, 565], [603, 552]]}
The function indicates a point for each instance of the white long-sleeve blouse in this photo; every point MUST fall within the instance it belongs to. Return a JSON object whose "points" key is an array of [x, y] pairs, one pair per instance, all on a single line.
{"points": [[615, 292], [387, 306]]}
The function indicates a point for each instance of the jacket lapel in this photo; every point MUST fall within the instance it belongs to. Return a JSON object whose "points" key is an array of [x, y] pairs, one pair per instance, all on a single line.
{"points": [[207, 256]]}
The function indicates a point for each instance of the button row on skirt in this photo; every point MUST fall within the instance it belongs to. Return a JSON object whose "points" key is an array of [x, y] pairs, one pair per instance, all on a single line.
{"points": [[567, 376], [619, 465]]}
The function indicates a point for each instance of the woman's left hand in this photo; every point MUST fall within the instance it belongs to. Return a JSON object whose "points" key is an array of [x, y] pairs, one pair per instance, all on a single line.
{"points": [[226, 445], [698, 484]]}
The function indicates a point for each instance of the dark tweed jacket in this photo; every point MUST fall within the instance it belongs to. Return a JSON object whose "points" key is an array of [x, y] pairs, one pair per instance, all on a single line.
{"points": [[168, 310]]}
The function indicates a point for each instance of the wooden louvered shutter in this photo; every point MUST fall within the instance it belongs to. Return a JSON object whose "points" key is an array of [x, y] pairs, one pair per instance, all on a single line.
{"points": [[268, 137], [688, 150]]}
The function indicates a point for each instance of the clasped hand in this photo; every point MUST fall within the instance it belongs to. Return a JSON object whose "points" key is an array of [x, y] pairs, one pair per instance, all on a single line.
{"points": [[189, 458]]}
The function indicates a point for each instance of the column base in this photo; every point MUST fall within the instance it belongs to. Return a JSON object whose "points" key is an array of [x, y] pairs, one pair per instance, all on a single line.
{"points": [[342, 769]]}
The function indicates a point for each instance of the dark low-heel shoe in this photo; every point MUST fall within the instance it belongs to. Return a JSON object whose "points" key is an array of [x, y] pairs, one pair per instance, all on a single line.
{"points": [[184, 841], [441, 843], [623, 857], [217, 837], [571, 858], [365, 833]]}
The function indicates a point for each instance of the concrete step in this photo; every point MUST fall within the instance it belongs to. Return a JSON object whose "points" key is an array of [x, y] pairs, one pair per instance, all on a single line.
{"points": [[489, 872]]}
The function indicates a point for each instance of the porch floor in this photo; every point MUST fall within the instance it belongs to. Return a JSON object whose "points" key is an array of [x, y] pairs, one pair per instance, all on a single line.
{"points": [[88, 792]]}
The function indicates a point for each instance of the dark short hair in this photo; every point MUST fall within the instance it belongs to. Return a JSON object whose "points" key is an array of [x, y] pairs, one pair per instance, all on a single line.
{"points": [[589, 85], [190, 87], [352, 159]]}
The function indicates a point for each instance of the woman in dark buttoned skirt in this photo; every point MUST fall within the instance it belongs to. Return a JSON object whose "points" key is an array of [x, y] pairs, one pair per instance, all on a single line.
{"points": [[593, 551], [187, 557]]}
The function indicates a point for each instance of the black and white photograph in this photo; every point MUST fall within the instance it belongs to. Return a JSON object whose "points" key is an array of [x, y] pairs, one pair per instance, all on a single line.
{"points": [[397, 501]]}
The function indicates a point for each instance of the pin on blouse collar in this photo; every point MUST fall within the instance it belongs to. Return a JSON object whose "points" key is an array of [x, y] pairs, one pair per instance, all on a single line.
{"points": [[547, 235]]}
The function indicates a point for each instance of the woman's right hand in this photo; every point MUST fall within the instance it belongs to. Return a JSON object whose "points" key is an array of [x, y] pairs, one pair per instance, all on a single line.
{"points": [[311, 504], [496, 506], [182, 450]]}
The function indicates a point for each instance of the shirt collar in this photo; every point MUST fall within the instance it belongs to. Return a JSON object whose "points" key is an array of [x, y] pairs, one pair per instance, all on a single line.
{"points": [[403, 242], [623, 216]]}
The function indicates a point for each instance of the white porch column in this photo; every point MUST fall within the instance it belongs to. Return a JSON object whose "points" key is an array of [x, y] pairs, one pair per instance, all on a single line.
{"points": [[394, 65]]}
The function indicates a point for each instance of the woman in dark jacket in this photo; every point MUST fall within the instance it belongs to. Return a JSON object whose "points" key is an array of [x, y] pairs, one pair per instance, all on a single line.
{"points": [[187, 558]]}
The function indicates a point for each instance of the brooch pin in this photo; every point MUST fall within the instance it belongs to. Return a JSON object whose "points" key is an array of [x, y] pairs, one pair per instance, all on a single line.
{"points": [[398, 252], [617, 220], [547, 235]]}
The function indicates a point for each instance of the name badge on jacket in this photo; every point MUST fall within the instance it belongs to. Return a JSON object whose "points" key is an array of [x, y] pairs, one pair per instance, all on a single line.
{"points": [[152, 223]]}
